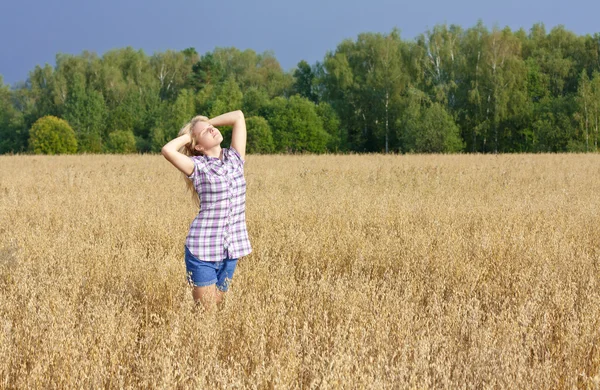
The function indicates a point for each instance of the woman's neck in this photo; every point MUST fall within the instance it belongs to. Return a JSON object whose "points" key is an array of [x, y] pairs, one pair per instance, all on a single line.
{"points": [[215, 151]]}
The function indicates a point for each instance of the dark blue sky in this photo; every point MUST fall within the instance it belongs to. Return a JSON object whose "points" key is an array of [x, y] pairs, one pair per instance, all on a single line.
{"points": [[32, 32]]}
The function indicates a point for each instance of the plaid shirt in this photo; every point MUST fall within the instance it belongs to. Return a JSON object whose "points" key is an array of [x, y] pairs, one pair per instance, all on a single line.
{"points": [[219, 230]]}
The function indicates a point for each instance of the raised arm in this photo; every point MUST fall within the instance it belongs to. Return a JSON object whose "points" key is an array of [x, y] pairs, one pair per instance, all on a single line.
{"points": [[179, 160], [238, 134]]}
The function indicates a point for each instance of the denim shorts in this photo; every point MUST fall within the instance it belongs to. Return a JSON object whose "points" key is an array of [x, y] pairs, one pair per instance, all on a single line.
{"points": [[202, 273]]}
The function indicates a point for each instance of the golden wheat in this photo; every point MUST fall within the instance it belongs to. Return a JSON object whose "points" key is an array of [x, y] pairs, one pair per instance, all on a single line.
{"points": [[451, 271]]}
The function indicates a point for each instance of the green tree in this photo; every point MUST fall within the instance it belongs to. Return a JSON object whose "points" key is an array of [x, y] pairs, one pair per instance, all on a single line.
{"points": [[52, 135], [157, 139], [260, 136], [596, 108], [439, 56], [429, 128], [226, 97], [173, 71], [332, 125], [304, 80], [363, 82], [439, 133], [207, 71], [183, 110], [42, 85], [13, 137], [271, 76], [498, 89], [296, 125], [555, 124], [86, 113], [387, 80], [250, 69], [122, 71], [473, 111], [121, 141], [585, 114], [341, 90], [254, 101], [588, 112]]}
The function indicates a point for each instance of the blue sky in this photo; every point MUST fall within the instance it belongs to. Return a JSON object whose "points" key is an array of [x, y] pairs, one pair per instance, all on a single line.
{"points": [[32, 32]]}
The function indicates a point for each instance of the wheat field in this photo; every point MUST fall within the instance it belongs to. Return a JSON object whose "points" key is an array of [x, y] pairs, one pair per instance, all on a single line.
{"points": [[367, 271]]}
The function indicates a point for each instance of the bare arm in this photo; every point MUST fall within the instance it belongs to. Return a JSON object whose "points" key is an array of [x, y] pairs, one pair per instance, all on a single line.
{"points": [[238, 134], [179, 160]]}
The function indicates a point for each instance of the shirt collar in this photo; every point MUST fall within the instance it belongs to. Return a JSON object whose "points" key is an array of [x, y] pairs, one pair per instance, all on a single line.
{"points": [[216, 165]]}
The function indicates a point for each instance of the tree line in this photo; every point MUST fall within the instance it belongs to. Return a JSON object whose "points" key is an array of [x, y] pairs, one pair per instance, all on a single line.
{"points": [[448, 90]]}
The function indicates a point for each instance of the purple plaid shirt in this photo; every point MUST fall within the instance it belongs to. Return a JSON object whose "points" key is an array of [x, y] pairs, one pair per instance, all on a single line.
{"points": [[219, 230]]}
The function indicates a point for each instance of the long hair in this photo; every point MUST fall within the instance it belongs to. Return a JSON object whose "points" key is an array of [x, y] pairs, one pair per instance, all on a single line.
{"points": [[190, 150]]}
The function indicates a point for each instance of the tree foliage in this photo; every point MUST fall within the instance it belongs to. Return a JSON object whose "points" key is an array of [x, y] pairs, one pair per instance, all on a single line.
{"points": [[450, 89], [121, 141], [259, 136], [13, 136], [296, 125], [52, 135]]}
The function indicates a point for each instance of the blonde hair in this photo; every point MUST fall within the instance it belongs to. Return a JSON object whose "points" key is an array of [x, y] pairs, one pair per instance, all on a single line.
{"points": [[190, 150]]}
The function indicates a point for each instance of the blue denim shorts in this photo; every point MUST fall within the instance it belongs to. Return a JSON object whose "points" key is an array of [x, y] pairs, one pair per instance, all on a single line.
{"points": [[202, 273]]}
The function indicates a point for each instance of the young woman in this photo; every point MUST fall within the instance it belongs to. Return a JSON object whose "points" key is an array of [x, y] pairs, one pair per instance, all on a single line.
{"points": [[217, 237]]}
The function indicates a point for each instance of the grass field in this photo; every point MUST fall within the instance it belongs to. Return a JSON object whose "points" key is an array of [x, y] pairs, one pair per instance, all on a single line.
{"points": [[450, 271]]}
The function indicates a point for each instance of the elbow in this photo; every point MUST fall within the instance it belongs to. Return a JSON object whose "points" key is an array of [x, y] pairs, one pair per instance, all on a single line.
{"points": [[240, 114], [165, 151]]}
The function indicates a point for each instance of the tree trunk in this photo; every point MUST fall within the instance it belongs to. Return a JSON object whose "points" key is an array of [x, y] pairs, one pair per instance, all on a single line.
{"points": [[495, 127], [596, 138], [587, 136], [387, 101], [477, 111]]}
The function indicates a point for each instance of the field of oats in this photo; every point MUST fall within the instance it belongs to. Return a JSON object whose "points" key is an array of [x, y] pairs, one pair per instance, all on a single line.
{"points": [[464, 271]]}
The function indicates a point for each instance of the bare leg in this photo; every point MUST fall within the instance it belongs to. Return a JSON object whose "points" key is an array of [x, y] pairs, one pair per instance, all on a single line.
{"points": [[208, 296]]}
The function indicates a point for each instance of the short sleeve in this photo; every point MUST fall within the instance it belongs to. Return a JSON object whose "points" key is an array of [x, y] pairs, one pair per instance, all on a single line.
{"points": [[199, 166], [236, 159]]}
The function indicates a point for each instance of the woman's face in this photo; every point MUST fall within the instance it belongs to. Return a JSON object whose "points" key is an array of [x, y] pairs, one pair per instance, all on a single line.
{"points": [[207, 136]]}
